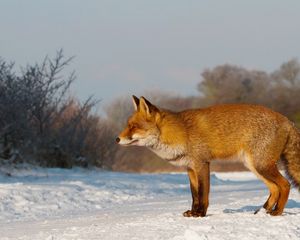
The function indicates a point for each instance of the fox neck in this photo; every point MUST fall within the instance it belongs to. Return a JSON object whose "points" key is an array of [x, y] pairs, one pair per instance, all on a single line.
{"points": [[171, 144]]}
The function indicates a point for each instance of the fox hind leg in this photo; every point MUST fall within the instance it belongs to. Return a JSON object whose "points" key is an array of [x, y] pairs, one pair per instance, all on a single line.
{"points": [[274, 194], [279, 189], [273, 197]]}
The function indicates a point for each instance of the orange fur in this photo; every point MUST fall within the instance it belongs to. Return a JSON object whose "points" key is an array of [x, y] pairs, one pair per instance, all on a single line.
{"points": [[255, 134]]}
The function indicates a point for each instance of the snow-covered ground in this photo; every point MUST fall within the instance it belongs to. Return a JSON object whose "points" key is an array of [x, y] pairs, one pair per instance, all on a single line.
{"points": [[90, 204]]}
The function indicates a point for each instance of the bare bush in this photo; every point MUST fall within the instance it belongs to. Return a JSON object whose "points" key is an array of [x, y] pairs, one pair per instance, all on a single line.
{"points": [[232, 84], [42, 124], [279, 90]]}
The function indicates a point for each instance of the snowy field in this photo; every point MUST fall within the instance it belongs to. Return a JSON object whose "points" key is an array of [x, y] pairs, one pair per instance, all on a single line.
{"points": [[89, 204]]}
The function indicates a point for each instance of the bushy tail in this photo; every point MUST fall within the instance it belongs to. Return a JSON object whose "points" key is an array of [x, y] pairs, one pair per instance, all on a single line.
{"points": [[291, 156]]}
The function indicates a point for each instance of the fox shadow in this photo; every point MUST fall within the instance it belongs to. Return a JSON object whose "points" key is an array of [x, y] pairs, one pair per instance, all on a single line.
{"points": [[252, 208]]}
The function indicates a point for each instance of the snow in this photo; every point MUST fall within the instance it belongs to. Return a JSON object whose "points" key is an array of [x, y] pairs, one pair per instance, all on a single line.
{"points": [[55, 204]]}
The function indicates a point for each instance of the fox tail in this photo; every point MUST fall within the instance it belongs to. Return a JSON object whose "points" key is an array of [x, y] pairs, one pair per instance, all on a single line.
{"points": [[291, 157]]}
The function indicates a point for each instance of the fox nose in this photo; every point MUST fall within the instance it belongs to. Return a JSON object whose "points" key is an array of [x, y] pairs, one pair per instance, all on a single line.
{"points": [[118, 139]]}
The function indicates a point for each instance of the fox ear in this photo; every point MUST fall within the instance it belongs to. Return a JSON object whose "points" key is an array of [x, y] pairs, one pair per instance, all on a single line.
{"points": [[146, 107], [136, 102]]}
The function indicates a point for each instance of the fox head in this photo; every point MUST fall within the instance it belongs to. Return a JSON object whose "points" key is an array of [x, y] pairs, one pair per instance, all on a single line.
{"points": [[141, 129]]}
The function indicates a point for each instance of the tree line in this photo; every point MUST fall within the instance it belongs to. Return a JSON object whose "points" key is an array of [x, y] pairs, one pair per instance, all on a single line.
{"points": [[42, 123]]}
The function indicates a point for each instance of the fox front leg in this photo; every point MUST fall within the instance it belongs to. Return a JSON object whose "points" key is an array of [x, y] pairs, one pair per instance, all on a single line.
{"points": [[199, 183]]}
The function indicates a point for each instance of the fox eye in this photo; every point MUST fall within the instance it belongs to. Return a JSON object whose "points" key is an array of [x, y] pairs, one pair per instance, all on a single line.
{"points": [[133, 126]]}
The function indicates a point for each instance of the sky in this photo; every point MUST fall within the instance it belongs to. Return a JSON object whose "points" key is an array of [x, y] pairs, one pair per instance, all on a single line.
{"points": [[129, 47]]}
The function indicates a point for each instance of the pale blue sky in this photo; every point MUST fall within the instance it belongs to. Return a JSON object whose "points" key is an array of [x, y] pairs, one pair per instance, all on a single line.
{"points": [[128, 46]]}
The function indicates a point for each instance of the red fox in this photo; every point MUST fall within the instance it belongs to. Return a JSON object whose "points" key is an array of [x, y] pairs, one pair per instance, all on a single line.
{"points": [[193, 138]]}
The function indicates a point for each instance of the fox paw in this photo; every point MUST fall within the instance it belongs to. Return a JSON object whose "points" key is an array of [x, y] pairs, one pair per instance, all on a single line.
{"points": [[190, 213], [275, 212]]}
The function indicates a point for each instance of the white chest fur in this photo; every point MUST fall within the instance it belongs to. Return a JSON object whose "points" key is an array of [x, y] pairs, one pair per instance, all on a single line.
{"points": [[182, 162], [173, 154]]}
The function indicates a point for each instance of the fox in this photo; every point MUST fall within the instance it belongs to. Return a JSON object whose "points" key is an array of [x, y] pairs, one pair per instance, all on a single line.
{"points": [[254, 134]]}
